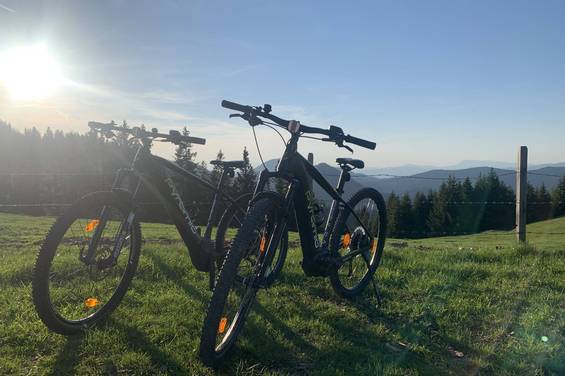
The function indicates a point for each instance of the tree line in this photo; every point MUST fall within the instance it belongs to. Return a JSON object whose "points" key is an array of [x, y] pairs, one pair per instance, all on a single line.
{"points": [[59, 167], [461, 207]]}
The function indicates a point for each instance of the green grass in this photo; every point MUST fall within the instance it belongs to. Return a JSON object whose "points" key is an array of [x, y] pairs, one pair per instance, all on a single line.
{"points": [[453, 305]]}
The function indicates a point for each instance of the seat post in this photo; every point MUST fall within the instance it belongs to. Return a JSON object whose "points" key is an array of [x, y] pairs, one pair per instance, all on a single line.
{"points": [[212, 214], [344, 177]]}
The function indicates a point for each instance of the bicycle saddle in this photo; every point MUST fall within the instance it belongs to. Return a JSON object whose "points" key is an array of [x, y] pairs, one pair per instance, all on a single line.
{"points": [[357, 163], [228, 164]]}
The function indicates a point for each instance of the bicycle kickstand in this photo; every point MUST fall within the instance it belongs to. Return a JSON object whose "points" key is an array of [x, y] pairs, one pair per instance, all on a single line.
{"points": [[377, 293]]}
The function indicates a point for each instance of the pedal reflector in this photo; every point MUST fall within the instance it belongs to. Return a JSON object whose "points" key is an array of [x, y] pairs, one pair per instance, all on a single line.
{"points": [[222, 326], [91, 225], [91, 303], [346, 241]]}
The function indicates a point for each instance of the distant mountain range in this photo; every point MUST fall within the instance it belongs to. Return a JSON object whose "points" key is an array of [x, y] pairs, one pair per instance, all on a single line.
{"points": [[431, 179], [412, 169]]}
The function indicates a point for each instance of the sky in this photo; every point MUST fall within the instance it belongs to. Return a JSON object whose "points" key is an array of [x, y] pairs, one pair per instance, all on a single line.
{"points": [[431, 82]]}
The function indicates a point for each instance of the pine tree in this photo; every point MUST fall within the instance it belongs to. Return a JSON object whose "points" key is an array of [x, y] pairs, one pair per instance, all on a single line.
{"points": [[558, 198], [467, 210], [246, 177], [531, 208], [392, 215], [499, 211], [184, 156], [544, 203], [444, 215], [421, 211], [217, 170], [405, 219]]}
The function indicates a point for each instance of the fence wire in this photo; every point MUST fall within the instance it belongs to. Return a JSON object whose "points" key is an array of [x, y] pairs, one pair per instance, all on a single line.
{"points": [[47, 205]]}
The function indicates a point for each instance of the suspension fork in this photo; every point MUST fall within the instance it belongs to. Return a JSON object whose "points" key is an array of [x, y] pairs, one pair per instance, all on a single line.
{"points": [[123, 229], [280, 226]]}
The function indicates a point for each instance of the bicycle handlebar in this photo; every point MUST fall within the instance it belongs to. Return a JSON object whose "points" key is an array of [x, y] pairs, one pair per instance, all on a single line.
{"points": [[334, 133], [236, 106], [360, 142], [174, 136]]}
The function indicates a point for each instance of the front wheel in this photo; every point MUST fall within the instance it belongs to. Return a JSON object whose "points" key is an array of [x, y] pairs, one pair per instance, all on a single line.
{"points": [[360, 247], [242, 274], [231, 222], [73, 288]]}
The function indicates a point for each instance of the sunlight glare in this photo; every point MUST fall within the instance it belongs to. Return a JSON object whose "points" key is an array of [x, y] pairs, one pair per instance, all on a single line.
{"points": [[30, 73]]}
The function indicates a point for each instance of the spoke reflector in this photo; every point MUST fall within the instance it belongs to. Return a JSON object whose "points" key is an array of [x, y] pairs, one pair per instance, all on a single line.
{"points": [[91, 303], [346, 241], [263, 243], [373, 246], [222, 326], [91, 225]]}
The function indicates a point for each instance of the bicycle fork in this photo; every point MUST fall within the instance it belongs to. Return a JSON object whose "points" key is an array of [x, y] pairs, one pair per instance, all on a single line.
{"points": [[121, 235], [280, 225]]}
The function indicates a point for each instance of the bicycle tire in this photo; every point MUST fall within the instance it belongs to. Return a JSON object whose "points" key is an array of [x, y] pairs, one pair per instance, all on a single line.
{"points": [[224, 225], [41, 274], [210, 353], [336, 239]]}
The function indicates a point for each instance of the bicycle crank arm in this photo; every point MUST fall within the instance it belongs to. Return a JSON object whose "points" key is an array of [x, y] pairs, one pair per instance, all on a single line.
{"points": [[353, 254]]}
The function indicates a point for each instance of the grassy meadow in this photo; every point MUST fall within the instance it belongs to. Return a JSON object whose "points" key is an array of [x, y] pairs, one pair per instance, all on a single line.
{"points": [[454, 305]]}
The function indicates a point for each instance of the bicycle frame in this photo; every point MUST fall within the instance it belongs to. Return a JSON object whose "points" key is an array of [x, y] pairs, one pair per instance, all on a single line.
{"points": [[295, 169], [148, 170]]}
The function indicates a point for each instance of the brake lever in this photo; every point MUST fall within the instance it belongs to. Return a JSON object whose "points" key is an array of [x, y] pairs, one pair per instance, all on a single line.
{"points": [[339, 142], [236, 115], [348, 148], [253, 120]]}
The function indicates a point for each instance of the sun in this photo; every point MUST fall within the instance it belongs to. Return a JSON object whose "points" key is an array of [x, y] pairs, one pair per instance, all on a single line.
{"points": [[29, 73]]}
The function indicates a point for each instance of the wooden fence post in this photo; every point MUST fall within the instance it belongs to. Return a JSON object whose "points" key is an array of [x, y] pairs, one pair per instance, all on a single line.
{"points": [[521, 193]]}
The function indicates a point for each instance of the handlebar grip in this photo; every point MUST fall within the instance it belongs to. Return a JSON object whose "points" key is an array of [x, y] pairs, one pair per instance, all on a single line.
{"points": [[308, 129], [360, 142], [236, 106]]}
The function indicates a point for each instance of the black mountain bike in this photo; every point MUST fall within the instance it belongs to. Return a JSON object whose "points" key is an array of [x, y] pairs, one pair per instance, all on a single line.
{"points": [[89, 257], [348, 252]]}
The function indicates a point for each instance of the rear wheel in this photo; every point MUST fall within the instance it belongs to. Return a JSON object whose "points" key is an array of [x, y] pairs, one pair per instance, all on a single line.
{"points": [[360, 251], [70, 293], [241, 276]]}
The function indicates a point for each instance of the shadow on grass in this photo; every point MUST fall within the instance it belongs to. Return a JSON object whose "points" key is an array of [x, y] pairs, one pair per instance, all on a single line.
{"points": [[283, 348], [421, 332], [67, 358], [170, 273], [137, 341]]}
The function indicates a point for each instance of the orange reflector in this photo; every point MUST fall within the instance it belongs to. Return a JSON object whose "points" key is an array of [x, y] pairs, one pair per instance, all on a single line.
{"points": [[91, 302], [346, 240], [222, 326], [263, 243], [91, 225], [373, 246]]}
